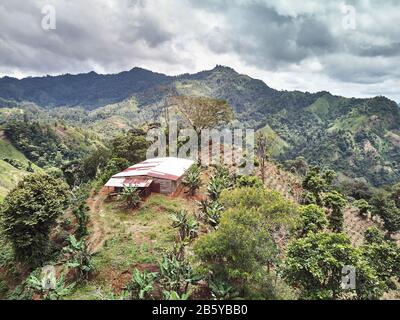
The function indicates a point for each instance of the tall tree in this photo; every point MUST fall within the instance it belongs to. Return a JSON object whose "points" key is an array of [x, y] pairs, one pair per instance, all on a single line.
{"points": [[313, 219], [314, 264], [131, 146], [336, 203], [202, 112], [262, 154]]}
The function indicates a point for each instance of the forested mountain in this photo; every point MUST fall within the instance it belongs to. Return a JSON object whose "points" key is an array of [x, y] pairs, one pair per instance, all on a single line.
{"points": [[62, 138], [358, 137]]}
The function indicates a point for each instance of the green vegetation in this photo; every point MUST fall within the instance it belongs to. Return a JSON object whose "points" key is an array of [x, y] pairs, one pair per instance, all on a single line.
{"points": [[131, 197], [29, 212], [192, 179], [240, 240], [313, 219], [315, 264]]}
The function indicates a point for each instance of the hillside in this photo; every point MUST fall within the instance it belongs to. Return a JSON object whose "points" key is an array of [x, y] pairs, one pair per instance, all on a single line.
{"points": [[9, 174], [30, 146], [360, 138]]}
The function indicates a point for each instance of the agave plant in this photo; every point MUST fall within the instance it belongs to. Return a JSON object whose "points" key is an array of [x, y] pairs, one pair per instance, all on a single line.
{"points": [[218, 183]]}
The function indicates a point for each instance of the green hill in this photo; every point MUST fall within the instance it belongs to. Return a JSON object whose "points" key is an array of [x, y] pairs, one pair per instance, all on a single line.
{"points": [[357, 137], [10, 175]]}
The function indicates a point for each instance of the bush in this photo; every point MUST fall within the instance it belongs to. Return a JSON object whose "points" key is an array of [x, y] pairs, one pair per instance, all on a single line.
{"points": [[29, 212], [313, 219]]}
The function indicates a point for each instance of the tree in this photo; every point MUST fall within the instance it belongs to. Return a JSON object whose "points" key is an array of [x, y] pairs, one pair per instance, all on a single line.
{"points": [[336, 203], [262, 154], [239, 249], [114, 166], [314, 264], [313, 219], [384, 257], [202, 112], [318, 181], [97, 159], [81, 213], [363, 207], [386, 208], [373, 235], [131, 146], [249, 182], [192, 179], [277, 211], [395, 194], [298, 165], [131, 197], [29, 212]]}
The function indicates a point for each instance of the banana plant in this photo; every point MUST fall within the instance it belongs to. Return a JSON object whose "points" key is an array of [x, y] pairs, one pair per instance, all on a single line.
{"points": [[187, 226], [141, 285], [55, 292], [220, 290], [177, 275], [211, 212], [79, 257], [173, 295]]}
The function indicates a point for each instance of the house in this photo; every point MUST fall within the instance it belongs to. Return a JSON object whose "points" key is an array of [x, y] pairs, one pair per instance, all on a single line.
{"points": [[160, 175]]}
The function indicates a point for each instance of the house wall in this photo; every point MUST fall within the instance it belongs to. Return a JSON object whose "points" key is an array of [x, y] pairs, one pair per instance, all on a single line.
{"points": [[166, 186]]}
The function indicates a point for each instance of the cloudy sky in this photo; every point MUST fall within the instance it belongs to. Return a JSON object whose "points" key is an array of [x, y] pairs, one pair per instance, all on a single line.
{"points": [[350, 48]]}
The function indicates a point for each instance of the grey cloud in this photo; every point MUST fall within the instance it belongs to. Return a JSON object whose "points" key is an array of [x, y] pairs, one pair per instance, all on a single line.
{"points": [[390, 50], [268, 35]]}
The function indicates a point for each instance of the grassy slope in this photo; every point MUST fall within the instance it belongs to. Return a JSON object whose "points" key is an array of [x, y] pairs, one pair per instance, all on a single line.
{"points": [[9, 176], [130, 239]]}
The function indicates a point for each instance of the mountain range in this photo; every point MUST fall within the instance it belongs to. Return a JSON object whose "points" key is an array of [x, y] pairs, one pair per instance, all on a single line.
{"points": [[360, 138]]}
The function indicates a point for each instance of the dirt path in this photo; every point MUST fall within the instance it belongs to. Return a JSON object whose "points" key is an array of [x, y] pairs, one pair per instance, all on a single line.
{"points": [[98, 230]]}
